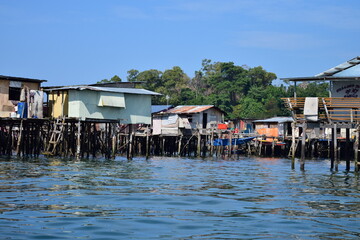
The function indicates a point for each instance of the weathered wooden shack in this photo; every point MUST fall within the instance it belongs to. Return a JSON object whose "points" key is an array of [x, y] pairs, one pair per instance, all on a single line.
{"points": [[341, 110], [21, 97], [128, 105], [279, 127], [182, 120]]}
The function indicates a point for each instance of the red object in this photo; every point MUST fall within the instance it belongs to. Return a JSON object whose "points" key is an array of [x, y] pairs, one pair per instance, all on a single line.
{"points": [[222, 126]]}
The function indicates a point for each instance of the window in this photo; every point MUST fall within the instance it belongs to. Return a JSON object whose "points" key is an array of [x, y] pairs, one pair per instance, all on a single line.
{"points": [[189, 117], [14, 90]]}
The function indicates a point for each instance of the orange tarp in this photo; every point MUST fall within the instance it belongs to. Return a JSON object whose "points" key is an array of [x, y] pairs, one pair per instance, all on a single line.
{"points": [[269, 132], [222, 126]]}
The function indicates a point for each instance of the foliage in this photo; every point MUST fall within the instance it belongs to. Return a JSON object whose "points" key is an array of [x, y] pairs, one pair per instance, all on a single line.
{"points": [[115, 78], [240, 91]]}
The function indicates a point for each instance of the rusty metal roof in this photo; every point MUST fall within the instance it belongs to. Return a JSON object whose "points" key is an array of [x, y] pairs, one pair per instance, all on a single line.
{"points": [[190, 109]]}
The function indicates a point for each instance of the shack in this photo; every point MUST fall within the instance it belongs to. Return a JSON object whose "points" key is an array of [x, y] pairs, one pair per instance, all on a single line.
{"points": [[182, 120], [340, 111], [274, 127], [21, 97], [128, 105]]}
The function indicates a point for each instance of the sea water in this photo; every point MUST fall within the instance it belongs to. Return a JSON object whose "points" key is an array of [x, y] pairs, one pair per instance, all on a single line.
{"points": [[177, 198]]}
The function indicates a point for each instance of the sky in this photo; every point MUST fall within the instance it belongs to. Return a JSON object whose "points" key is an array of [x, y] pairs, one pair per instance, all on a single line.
{"points": [[70, 42]]}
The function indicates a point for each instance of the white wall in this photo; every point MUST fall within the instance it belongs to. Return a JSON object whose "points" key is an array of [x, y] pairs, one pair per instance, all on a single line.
{"points": [[84, 104], [345, 89]]}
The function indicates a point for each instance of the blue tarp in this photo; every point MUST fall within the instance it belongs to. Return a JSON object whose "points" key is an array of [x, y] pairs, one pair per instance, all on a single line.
{"points": [[235, 141], [22, 109]]}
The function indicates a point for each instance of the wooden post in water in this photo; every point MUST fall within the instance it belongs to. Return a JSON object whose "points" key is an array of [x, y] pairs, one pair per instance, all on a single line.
{"points": [[273, 147], [293, 145], [129, 152], [179, 145], [260, 146], [18, 147], [230, 143], [78, 140], [335, 147], [303, 142], [163, 146], [356, 149], [212, 142], [347, 149], [198, 149], [147, 142]]}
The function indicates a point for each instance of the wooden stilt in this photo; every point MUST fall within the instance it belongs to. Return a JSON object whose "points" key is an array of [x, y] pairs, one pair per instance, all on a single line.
{"points": [[78, 140], [18, 147], [163, 146], [293, 144], [130, 143], [347, 149], [212, 142], [179, 145], [230, 143], [260, 147], [303, 144], [356, 149], [198, 147], [147, 142], [335, 148]]}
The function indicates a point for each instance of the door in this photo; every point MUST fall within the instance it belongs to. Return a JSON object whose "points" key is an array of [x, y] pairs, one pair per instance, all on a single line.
{"points": [[205, 119]]}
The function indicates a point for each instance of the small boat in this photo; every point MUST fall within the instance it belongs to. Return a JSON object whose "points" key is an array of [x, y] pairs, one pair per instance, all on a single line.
{"points": [[234, 141]]}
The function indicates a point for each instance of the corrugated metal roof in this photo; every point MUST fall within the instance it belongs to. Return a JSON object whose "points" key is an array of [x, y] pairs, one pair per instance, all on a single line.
{"points": [[106, 89], [21, 79], [346, 71], [341, 67], [189, 109], [276, 119], [160, 108]]}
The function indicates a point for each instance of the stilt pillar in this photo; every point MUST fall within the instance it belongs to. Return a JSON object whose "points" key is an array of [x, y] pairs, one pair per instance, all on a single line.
{"points": [[198, 152], [356, 149], [347, 149], [336, 157], [303, 142]]}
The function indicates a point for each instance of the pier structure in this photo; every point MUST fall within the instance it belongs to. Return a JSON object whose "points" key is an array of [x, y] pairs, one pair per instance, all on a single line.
{"points": [[337, 129], [336, 117], [76, 138]]}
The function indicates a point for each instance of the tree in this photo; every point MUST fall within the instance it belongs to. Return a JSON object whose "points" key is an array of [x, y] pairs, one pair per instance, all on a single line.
{"points": [[249, 108], [132, 75], [115, 78]]}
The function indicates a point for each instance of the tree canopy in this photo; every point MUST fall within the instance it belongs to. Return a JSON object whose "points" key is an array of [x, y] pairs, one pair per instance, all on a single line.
{"points": [[115, 78], [240, 91]]}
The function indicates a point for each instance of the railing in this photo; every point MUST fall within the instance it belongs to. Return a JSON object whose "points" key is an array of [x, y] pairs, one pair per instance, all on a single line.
{"points": [[330, 109]]}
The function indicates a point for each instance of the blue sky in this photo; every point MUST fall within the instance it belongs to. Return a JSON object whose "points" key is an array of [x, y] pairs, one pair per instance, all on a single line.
{"points": [[84, 41]]}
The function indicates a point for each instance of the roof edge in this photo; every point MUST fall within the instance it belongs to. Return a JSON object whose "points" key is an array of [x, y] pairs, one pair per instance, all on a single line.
{"points": [[22, 79]]}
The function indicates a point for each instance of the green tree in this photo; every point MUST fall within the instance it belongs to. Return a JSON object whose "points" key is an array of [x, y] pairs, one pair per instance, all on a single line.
{"points": [[115, 78], [249, 108], [132, 75]]}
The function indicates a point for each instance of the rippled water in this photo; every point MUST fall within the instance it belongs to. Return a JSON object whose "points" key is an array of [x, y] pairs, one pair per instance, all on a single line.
{"points": [[176, 198]]}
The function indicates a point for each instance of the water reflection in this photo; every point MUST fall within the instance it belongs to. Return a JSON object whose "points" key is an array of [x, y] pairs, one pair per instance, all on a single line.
{"points": [[176, 198]]}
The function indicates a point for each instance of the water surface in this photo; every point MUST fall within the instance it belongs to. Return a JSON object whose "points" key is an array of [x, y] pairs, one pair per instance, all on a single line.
{"points": [[176, 198]]}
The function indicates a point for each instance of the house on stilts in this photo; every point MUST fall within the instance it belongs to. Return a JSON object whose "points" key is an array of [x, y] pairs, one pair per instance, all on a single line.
{"points": [[337, 114]]}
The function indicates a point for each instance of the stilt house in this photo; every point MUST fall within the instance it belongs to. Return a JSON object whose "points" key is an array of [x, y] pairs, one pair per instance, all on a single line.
{"points": [[21, 97], [181, 120], [340, 111], [274, 127], [128, 105]]}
